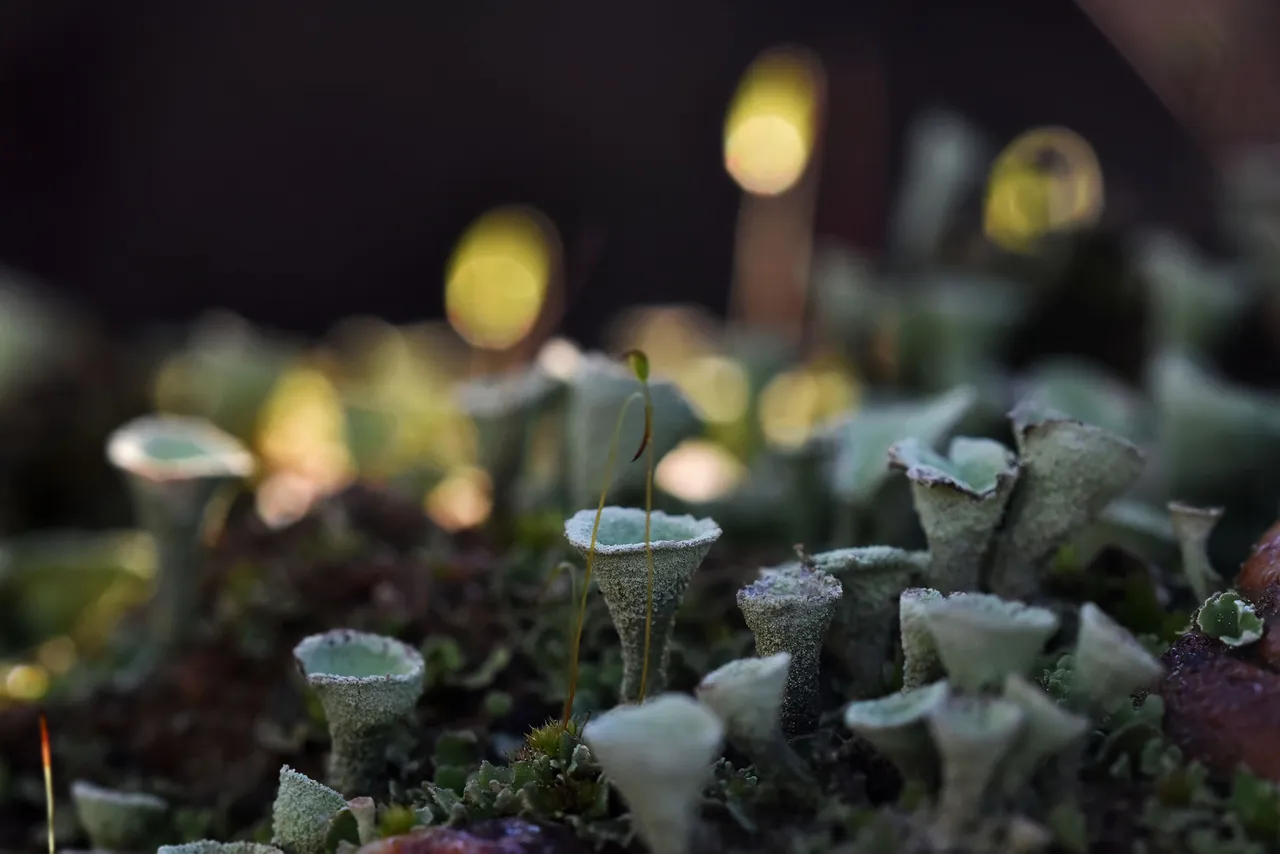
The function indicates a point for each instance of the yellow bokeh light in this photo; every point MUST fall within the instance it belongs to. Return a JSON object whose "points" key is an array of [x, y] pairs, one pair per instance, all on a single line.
{"points": [[794, 403], [57, 655], [559, 358], [464, 499], [769, 133], [497, 280], [1047, 180], [26, 682], [717, 386], [302, 430], [699, 470]]}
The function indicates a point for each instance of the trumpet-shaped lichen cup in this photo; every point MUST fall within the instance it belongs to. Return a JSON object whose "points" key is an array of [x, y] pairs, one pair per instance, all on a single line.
{"points": [[747, 694], [960, 500], [174, 466], [658, 755], [301, 813], [789, 609], [620, 569], [367, 683], [118, 821]]}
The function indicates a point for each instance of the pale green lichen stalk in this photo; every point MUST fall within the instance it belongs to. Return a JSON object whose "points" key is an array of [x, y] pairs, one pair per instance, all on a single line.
{"points": [[960, 500], [872, 578], [367, 684], [118, 821], [301, 813], [621, 571], [658, 755], [973, 736], [789, 609]]}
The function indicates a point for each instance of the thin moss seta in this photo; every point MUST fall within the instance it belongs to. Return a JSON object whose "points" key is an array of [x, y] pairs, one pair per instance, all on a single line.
{"points": [[639, 363], [591, 553]]}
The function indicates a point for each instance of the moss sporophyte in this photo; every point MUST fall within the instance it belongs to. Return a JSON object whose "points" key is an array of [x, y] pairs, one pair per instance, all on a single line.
{"points": [[613, 541]]}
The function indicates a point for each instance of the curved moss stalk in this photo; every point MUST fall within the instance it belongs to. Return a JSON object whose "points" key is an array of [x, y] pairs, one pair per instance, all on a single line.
{"points": [[639, 364]]}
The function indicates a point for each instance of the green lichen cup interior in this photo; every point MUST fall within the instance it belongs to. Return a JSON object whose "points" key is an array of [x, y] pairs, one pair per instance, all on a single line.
{"points": [[355, 655]]}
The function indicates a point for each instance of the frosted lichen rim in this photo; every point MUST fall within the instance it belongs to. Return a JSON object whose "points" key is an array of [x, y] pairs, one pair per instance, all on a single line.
{"points": [[925, 466], [979, 608], [83, 790], [897, 710], [404, 663], [792, 582], [697, 532], [130, 448], [498, 395]]}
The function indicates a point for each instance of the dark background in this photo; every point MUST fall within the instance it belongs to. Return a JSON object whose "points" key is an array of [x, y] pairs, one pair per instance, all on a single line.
{"points": [[301, 161]]}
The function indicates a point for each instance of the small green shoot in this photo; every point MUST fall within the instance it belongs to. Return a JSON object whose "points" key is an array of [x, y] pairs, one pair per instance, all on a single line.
{"points": [[575, 647]]}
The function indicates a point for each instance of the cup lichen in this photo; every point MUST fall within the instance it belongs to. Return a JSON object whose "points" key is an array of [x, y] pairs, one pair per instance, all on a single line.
{"points": [[301, 813], [118, 821], [789, 609], [973, 736], [747, 694], [981, 639], [873, 578], [678, 545], [1070, 471], [174, 466], [896, 725], [367, 683], [1109, 663], [658, 755], [960, 500], [920, 662], [1193, 527]]}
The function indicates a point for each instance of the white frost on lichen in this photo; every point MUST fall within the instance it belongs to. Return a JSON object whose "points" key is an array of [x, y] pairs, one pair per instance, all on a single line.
{"points": [[1070, 471], [621, 571], [960, 500], [115, 820], [789, 609], [366, 683], [1109, 663], [659, 755], [981, 639], [301, 813]]}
